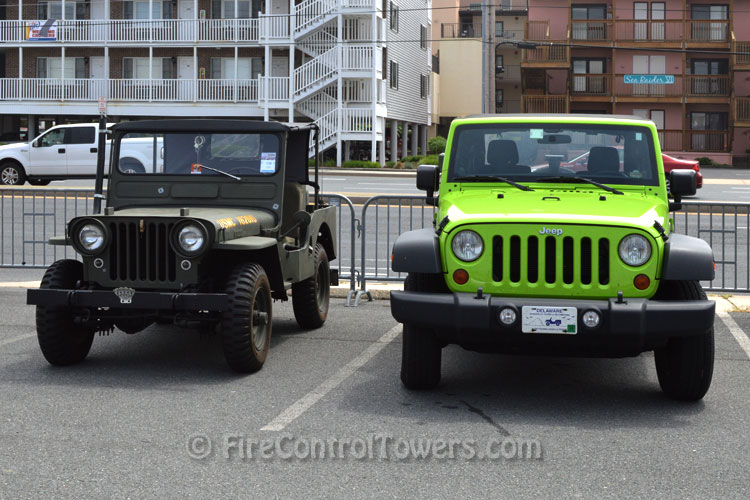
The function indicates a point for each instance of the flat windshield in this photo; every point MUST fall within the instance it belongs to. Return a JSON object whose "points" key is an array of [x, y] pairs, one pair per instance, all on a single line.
{"points": [[240, 154], [610, 154]]}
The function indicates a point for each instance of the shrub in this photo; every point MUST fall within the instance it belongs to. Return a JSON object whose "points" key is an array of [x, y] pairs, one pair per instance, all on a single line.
{"points": [[412, 159], [360, 164], [705, 161], [430, 160], [390, 164], [436, 145]]}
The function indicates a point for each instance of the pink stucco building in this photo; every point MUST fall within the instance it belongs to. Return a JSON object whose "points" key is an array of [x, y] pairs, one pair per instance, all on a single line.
{"points": [[685, 64]]}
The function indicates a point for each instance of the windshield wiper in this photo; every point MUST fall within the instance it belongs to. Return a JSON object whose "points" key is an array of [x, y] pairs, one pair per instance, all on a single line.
{"points": [[492, 178], [220, 172], [580, 179]]}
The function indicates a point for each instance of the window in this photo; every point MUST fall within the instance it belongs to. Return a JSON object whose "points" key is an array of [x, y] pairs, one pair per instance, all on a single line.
{"points": [[52, 138], [584, 29], [394, 75], [424, 86], [712, 31], [714, 83], [506, 4], [475, 6], [139, 9], [499, 28], [222, 68], [224, 9], [499, 66], [499, 97], [137, 68], [384, 60], [51, 67], [709, 123], [394, 17], [423, 36], [589, 83], [80, 135], [53, 10]]}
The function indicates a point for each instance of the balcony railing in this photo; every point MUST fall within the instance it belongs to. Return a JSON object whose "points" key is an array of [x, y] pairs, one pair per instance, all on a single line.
{"points": [[460, 30], [548, 54], [590, 85], [537, 30], [707, 86], [742, 53], [545, 104], [591, 31], [648, 31], [160, 30], [357, 120], [136, 90], [357, 58], [623, 89], [742, 109], [707, 31], [709, 141]]}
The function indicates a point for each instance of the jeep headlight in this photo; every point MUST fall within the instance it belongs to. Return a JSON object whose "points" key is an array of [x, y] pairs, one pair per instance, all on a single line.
{"points": [[91, 237], [191, 239], [467, 245], [635, 250]]}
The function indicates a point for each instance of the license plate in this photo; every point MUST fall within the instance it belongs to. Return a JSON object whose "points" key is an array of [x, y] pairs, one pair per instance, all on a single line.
{"points": [[546, 319]]}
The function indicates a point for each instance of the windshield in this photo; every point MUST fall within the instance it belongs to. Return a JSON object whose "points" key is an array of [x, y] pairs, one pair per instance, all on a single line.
{"points": [[238, 154], [615, 154]]}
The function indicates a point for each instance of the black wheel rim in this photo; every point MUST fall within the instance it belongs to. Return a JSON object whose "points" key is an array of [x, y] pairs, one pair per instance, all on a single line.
{"points": [[260, 320], [322, 287]]}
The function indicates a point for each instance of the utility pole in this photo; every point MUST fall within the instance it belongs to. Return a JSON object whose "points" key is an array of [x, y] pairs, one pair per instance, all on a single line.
{"points": [[488, 56]]}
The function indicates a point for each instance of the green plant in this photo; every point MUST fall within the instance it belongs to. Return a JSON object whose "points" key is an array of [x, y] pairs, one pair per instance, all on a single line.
{"points": [[412, 159], [705, 161], [390, 164], [430, 160], [360, 164], [436, 145]]}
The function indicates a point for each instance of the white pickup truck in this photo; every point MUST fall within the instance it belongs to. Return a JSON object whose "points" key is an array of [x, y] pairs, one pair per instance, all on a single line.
{"points": [[66, 152]]}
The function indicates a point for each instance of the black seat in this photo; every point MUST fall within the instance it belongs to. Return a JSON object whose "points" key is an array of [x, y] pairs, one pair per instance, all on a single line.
{"points": [[603, 160], [502, 155]]}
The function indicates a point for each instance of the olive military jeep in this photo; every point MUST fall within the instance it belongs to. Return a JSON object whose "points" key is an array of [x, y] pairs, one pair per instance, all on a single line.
{"points": [[210, 228], [534, 254]]}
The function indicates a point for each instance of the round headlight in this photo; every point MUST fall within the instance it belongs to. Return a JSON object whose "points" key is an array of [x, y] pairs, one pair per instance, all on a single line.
{"points": [[635, 250], [467, 245], [191, 238], [91, 237]]}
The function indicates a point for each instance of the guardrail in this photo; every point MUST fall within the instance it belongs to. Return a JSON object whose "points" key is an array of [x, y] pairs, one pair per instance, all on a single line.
{"points": [[29, 217]]}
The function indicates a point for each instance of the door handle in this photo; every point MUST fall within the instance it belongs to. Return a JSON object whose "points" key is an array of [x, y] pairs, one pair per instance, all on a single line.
{"points": [[92, 150], [61, 150]]}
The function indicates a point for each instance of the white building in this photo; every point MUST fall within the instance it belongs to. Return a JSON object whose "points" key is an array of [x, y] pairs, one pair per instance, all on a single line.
{"points": [[355, 67]]}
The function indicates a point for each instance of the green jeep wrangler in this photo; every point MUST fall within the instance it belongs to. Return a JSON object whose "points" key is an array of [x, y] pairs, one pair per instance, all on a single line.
{"points": [[206, 223], [534, 254]]}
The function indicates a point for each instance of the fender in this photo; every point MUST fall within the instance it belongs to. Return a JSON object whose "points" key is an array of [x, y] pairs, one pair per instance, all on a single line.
{"points": [[687, 258], [417, 252]]}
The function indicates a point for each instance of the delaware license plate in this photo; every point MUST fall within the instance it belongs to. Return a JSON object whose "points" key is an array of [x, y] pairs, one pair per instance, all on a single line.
{"points": [[546, 319]]}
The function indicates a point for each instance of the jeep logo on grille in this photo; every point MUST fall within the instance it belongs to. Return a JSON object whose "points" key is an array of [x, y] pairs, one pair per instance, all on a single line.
{"points": [[125, 294], [546, 230]]}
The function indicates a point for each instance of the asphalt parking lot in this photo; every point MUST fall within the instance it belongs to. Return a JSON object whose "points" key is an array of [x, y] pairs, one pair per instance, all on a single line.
{"points": [[134, 419]]}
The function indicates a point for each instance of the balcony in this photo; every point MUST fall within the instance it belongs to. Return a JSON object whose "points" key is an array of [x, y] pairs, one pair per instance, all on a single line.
{"points": [[536, 30], [591, 31], [706, 33], [742, 112], [597, 85], [741, 61], [547, 56], [159, 31], [136, 90], [649, 92], [460, 30], [544, 104], [705, 141], [635, 31]]}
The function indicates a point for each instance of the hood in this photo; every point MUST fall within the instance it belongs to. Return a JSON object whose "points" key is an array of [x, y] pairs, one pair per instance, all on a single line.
{"points": [[15, 145], [228, 223], [562, 205]]}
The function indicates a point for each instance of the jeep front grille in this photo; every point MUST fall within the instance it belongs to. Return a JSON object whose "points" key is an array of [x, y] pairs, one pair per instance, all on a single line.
{"points": [[550, 259], [140, 251]]}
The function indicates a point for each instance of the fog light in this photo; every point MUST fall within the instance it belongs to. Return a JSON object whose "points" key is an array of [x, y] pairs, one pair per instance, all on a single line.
{"points": [[185, 265], [508, 316], [591, 319], [641, 282], [98, 263], [460, 276]]}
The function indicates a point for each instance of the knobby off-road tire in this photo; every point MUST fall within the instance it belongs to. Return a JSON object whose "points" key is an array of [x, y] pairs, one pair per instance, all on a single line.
{"points": [[12, 174], [685, 365], [62, 342], [421, 354], [247, 323], [310, 298]]}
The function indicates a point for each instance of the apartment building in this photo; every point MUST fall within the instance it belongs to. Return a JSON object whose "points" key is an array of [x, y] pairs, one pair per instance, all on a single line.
{"points": [[357, 68], [672, 61], [461, 88]]}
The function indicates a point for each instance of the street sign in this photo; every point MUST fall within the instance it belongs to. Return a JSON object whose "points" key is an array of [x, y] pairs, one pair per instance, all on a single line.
{"points": [[102, 105], [652, 79]]}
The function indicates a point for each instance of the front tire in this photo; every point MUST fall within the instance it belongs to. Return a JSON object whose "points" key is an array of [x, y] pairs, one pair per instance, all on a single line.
{"points": [[246, 325], [61, 341], [421, 354], [685, 365], [311, 297], [12, 174]]}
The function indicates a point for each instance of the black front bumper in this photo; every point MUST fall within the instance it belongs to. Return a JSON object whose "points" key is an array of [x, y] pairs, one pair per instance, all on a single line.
{"points": [[626, 328], [141, 301]]}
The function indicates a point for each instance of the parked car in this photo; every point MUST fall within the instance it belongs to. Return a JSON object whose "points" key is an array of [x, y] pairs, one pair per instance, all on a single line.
{"points": [[551, 261]]}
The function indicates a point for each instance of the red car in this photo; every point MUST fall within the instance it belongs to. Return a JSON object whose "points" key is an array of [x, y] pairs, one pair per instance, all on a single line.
{"points": [[670, 163]]}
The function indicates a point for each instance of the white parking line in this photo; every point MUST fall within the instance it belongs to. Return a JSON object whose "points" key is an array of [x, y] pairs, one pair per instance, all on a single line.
{"points": [[736, 331], [303, 404], [16, 339]]}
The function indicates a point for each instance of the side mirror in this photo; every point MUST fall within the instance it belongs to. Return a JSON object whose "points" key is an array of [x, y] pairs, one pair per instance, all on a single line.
{"points": [[428, 178], [441, 157], [682, 182]]}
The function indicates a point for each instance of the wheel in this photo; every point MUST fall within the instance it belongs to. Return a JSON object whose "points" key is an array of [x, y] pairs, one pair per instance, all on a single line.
{"points": [[12, 174], [685, 365], [62, 342], [38, 182], [310, 297], [246, 324], [421, 351], [131, 166]]}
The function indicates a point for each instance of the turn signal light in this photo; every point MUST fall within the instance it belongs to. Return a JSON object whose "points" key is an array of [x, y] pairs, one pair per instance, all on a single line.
{"points": [[642, 282], [460, 276]]}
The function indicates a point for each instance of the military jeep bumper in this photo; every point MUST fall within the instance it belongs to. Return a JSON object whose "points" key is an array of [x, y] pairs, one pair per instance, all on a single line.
{"points": [[150, 301], [626, 328]]}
